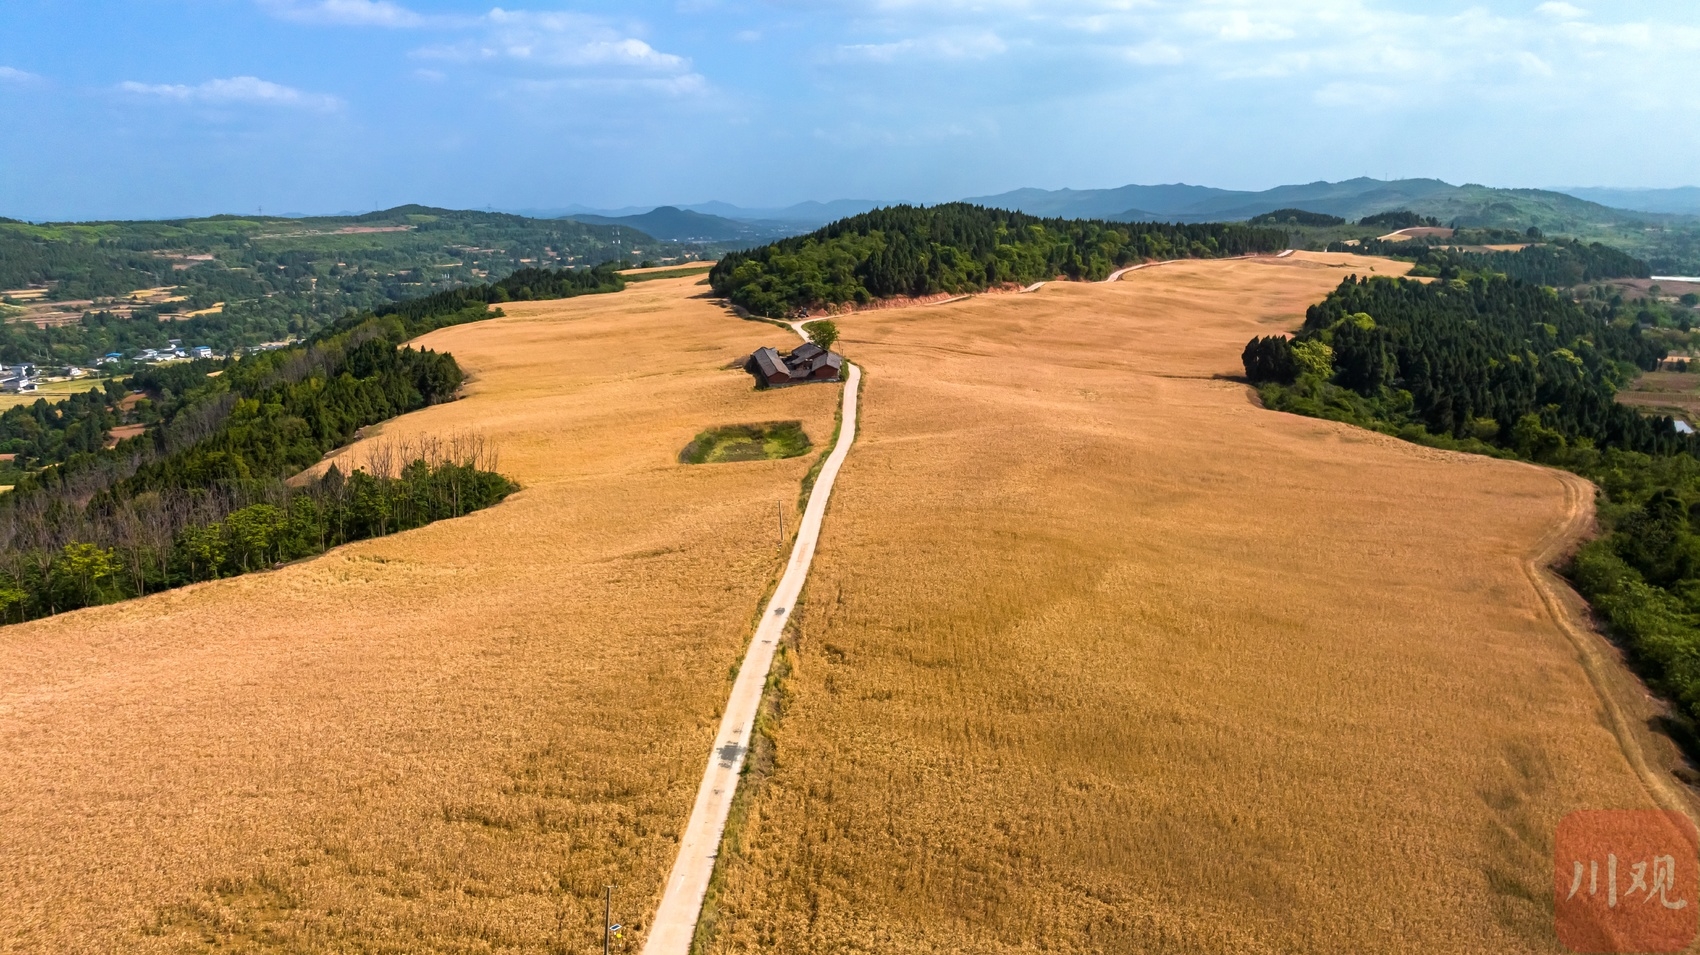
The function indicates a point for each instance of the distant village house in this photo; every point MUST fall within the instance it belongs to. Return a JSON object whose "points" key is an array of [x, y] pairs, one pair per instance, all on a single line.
{"points": [[807, 362]]}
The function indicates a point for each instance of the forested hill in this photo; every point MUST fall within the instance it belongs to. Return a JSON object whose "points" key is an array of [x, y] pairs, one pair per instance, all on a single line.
{"points": [[205, 492], [955, 248], [1492, 359], [72, 292]]}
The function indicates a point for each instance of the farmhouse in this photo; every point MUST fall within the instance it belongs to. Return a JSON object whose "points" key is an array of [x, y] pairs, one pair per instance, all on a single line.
{"points": [[807, 362]]}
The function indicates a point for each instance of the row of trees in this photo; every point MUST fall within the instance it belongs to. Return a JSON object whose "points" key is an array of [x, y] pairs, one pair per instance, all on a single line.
{"points": [[1560, 263], [524, 285], [129, 546], [1502, 367], [1296, 217], [954, 248], [1399, 219]]}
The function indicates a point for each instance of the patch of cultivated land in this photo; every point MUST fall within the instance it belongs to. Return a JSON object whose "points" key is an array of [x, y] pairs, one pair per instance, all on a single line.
{"points": [[52, 391], [1666, 392], [448, 740], [1098, 656]]}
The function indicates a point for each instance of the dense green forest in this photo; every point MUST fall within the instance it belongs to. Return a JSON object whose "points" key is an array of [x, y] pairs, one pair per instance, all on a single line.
{"points": [[1296, 217], [276, 278], [1503, 367], [1398, 219], [205, 491], [1559, 263], [1487, 358], [906, 250]]}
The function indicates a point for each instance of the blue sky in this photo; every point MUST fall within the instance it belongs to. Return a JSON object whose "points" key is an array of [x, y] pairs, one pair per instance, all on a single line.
{"points": [[135, 108]]}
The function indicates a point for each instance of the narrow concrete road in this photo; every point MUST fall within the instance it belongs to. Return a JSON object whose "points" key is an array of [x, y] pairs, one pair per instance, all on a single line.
{"points": [[681, 903]]}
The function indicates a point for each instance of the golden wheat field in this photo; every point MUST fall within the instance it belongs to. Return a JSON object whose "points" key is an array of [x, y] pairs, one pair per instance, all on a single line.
{"points": [[443, 741], [1098, 656]]}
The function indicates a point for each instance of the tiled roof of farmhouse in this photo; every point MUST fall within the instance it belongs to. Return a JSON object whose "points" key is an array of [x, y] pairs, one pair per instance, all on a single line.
{"points": [[769, 364]]}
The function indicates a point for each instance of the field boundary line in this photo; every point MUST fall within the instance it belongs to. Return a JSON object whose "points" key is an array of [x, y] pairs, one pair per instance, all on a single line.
{"points": [[675, 922]]}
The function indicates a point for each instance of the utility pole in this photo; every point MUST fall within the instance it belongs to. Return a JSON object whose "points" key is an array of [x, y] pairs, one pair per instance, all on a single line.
{"points": [[607, 919], [779, 506]]}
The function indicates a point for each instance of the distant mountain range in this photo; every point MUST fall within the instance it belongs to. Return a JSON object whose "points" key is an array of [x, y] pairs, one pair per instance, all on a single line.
{"points": [[672, 224], [1573, 211], [1684, 200], [723, 222], [1468, 205], [813, 214]]}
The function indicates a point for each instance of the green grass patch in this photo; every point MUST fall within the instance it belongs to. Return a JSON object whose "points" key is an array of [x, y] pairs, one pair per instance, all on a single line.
{"points": [[747, 442]]}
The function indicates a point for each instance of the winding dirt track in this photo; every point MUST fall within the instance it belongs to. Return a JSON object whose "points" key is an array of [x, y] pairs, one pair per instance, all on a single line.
{"points": [[1616, 689]]}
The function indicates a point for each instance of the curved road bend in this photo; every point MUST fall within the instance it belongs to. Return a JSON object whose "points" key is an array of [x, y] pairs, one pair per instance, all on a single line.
{"points": [[676, 919], [1118, 273]]}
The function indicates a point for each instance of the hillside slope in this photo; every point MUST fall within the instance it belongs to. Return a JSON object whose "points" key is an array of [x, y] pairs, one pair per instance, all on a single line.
{"points": [[673, 224], [1469, 205], [1098, 656], [449, 739]]}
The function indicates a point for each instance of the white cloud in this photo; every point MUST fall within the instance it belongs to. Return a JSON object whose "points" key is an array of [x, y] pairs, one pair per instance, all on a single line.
{"points": [[1559, 10], [683, 85], [1353, 52], [363, 13], [237, 89], [1242, 25], [974, 46], [10, 74], [1155, 53], [568, 40]]}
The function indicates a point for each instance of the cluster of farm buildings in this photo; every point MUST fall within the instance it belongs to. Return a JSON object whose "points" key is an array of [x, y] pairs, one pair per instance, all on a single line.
{"points": [[173, 351], [807, 362]]}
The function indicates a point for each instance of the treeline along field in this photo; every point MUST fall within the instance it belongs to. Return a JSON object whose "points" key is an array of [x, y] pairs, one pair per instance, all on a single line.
{"points": [[1498, 366], [206, 492], [1466, 359], [957, 247], [1562, 262]]}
